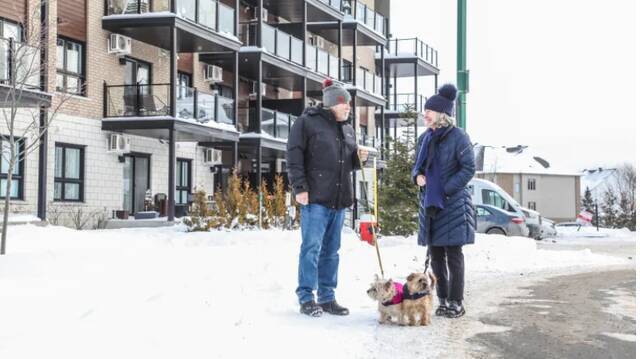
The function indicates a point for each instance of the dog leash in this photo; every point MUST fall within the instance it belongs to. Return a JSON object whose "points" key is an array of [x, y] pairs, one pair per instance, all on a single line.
{"points": [[427, 261], [368, 208]]}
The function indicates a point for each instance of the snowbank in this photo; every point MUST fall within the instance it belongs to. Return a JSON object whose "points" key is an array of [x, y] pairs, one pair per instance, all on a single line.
{"points": [[593, 232], [166, 293]]}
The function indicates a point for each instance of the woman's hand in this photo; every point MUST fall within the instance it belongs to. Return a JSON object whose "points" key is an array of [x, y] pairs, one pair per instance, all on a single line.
{"points": [[421, 180]]}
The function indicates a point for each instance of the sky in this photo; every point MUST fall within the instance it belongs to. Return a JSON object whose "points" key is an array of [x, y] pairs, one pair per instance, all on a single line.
{"points": [[559, 76]]}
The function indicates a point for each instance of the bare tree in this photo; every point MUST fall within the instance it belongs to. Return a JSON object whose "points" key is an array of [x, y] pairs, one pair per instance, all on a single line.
{"points": [[22, 77]]}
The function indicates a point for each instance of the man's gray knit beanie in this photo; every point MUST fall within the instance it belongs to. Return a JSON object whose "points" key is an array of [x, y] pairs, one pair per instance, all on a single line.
{"points": [[334, 94]]}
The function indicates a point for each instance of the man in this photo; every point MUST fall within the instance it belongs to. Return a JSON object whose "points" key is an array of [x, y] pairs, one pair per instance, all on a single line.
{"points": [[321, 154]]}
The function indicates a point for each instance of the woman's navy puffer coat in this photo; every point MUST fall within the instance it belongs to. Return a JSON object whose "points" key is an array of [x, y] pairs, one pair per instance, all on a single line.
{"points": [[455, 224]]}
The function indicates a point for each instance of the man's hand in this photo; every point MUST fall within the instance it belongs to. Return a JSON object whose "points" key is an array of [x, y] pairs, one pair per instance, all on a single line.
{"points": [[363, 154], [303, 198], [421, 180]]}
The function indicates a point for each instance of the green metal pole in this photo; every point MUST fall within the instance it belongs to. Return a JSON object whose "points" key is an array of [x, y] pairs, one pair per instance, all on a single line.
{"points": [[463, 73]]}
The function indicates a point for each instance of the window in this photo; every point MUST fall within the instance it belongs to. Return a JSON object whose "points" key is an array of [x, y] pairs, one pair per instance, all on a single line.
{"points": [[531, 205], [183, 181], [68, 182], [70, 67], [492, 198], [531, 184], [10, 30], [17, 177], [482, 212]]}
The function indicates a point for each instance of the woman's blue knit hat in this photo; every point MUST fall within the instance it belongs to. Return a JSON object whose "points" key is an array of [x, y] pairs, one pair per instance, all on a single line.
{"points": [[443, 101]]}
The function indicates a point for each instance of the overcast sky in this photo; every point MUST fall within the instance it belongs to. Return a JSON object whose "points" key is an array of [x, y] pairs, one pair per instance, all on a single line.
{"points": [[558, 75]]}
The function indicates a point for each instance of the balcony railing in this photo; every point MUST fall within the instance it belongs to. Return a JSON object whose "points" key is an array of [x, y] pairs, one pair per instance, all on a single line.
{"points": [[368, 16], [143, 100], [368, 141], [275, 41], [209, 13], [323, 62], [336, 4], [277, 124], [364, 79], [25, 61], [405, 102], [414, 47]]}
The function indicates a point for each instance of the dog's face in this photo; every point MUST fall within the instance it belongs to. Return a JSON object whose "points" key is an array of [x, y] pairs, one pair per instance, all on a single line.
{"points": [[382, 290], [420, 282]]}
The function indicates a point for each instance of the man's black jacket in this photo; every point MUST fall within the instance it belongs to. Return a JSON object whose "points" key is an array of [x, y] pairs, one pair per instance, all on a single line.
{"points": [[321, 153]]}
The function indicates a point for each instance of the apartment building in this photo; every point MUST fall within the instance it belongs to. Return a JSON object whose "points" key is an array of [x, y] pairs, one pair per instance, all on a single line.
{"points": [[164, 97]]}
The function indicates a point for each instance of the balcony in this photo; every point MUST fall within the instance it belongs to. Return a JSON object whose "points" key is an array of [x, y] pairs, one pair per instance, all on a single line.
{"points": [[153, 100], [321, 61], [365, 80], [276, 124], [414, 47], [203, 25], [20, 72], [366, 16], [406, 102]]}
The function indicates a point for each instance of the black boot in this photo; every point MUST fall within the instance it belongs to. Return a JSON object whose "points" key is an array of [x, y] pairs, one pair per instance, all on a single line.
{"points": [[311, 308], [442, 308], [334, 308], [455, 309]]}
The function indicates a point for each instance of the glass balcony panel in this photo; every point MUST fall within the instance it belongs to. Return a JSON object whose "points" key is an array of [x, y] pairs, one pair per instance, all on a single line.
{"points": [[323, 62], [226, 16], [268, 122], [282, 125], [206, 107], [207, 13], [225, 113], [311, 57], [284, 42], [334, 66], [296, 50], [269, 38]]}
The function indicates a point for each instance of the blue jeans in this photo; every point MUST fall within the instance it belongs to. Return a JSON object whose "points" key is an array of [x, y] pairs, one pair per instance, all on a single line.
{"points": [[318, 263]]}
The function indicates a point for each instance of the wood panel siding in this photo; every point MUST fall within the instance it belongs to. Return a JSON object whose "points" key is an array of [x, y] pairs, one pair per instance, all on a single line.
{"points": [[72, 15], [14, 10]]}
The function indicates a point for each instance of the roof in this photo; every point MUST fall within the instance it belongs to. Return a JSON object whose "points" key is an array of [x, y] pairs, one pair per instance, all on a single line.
{"points": [[598, 179], [517, 159]]}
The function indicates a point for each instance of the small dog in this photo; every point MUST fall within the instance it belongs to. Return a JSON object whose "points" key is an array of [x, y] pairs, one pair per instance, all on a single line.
{"points": [[418, 298], [390, 299]]}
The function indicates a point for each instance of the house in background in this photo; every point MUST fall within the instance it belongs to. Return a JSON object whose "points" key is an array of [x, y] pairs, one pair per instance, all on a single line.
{"points": [[530, 179]]}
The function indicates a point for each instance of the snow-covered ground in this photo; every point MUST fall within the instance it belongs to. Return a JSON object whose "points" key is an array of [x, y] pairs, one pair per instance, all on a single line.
{"points": [[164, 293]]}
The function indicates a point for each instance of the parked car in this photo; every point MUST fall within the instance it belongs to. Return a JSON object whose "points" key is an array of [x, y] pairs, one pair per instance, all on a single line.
{"points": [[548, 228], [493, 220], [533, 220], [488, 193]]}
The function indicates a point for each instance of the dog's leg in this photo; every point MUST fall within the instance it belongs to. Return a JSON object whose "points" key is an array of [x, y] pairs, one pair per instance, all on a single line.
{"points": [[412, 317], [423, 316]]}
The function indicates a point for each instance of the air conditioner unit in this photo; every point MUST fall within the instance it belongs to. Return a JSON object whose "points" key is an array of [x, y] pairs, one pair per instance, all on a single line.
{"points": [[281, 165], [263, 87], [319, 42], [265, 15], [119, 44], [212, 156], [117, 143], [212, 73]]}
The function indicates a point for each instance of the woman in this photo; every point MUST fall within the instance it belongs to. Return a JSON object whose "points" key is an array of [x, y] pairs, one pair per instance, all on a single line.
{"points": [[444, 166]]}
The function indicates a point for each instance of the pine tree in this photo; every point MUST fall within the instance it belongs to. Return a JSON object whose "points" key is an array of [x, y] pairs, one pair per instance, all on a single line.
{"points": [[268, 206], [398, 195], [610, 212], [588, 205], [199, 214]]}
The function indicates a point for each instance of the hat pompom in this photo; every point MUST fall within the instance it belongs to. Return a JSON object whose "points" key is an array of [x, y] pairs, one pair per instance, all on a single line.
{"points": [[448, 91], [326, 83]]}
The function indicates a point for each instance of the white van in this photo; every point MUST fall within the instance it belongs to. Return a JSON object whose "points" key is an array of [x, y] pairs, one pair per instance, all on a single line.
{"points": [[488, 193]]}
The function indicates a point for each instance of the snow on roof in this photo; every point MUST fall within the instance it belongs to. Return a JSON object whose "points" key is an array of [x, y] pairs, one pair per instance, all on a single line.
{"points": [[264, 135], [598, 179], [518, 159]]}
